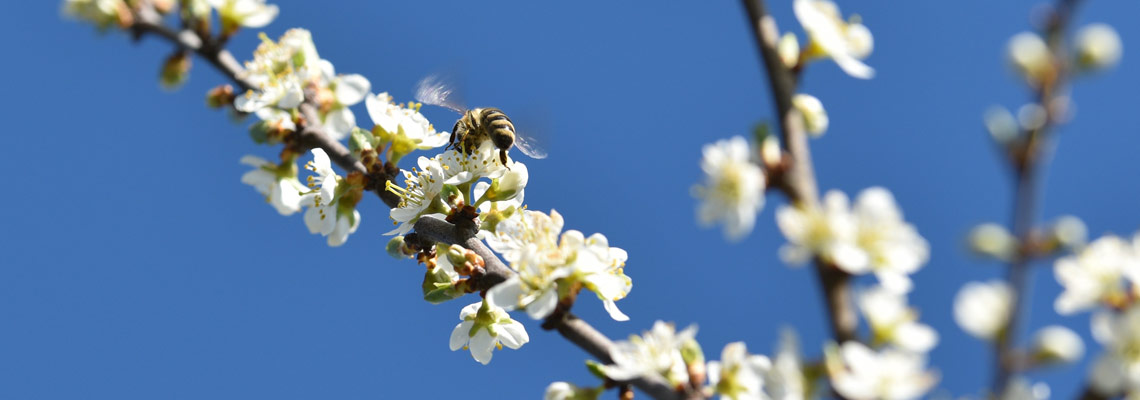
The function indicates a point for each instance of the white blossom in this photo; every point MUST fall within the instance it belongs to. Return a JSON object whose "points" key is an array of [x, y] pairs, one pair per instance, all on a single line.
{"points": [[739, 375], [247, 13], [395, 119], [342, 91], [870, 237], [325, 215], [1096, 274], [827, 231], [279, 185], [1098, 46], [859, 373], [894, 248], [733, 189], [279, 71], [657, 351], [485, 328], [504, 188], [785, 380], [982, 308], [1117, 370], [846, 42], [530, 242], [419, 197], [1056, 343], [891, 320], [483, 162]]}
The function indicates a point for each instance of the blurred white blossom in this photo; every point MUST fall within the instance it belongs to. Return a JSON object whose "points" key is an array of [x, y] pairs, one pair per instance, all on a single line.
{"points": [[243, 13], [870, 237], [983, 308], [1117, 369], [846, 42], [657, 351], [739, 375], [1097, 274], [569, 391], [485, 328], [733, 188], [785, 380], [1056, 343], [1021, 389], [102, 13], [892, 321], [277, 183], [858, 372]]}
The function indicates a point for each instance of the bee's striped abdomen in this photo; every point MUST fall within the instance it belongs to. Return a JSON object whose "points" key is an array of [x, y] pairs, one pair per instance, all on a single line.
{"points": [[494, 121]]}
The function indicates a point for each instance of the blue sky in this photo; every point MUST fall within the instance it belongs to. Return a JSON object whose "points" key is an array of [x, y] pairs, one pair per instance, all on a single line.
{"points": [[136, 265]]}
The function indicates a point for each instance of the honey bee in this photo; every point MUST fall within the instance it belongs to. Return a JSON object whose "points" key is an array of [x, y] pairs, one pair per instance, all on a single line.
{"points": [[476, 124]]}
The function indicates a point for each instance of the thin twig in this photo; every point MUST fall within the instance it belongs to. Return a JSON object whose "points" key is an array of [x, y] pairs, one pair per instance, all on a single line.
{"points": [[798, 180], [1028, 162]]}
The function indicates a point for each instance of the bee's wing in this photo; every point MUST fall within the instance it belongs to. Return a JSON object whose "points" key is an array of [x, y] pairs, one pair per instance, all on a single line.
{"points": [[438, 90], [529, 146]]}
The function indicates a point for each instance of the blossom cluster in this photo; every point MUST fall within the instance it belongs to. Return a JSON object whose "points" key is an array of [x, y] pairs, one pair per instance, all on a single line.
{"points": [[735, 174], [1105, 277]]}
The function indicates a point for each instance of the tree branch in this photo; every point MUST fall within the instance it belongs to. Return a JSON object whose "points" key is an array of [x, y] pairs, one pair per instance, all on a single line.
{"points": [[1028, 161], [569, 326], [312, 134], [798, 180]]}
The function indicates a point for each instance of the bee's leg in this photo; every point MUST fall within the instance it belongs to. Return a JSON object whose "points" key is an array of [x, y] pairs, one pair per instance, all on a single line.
{"points": [[450, 142], [503, 158]]}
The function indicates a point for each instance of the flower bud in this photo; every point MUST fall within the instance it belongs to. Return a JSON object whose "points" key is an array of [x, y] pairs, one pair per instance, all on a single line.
{"points": [[1032, 116], [175, 70], [1069, 232], [789, 50], [770, 151], [1001, 125], [1098, 47], [1057, 344], [456, 255], [1030, 56], [220, 96], [815, 117], [993, 240], [398, 249]]}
